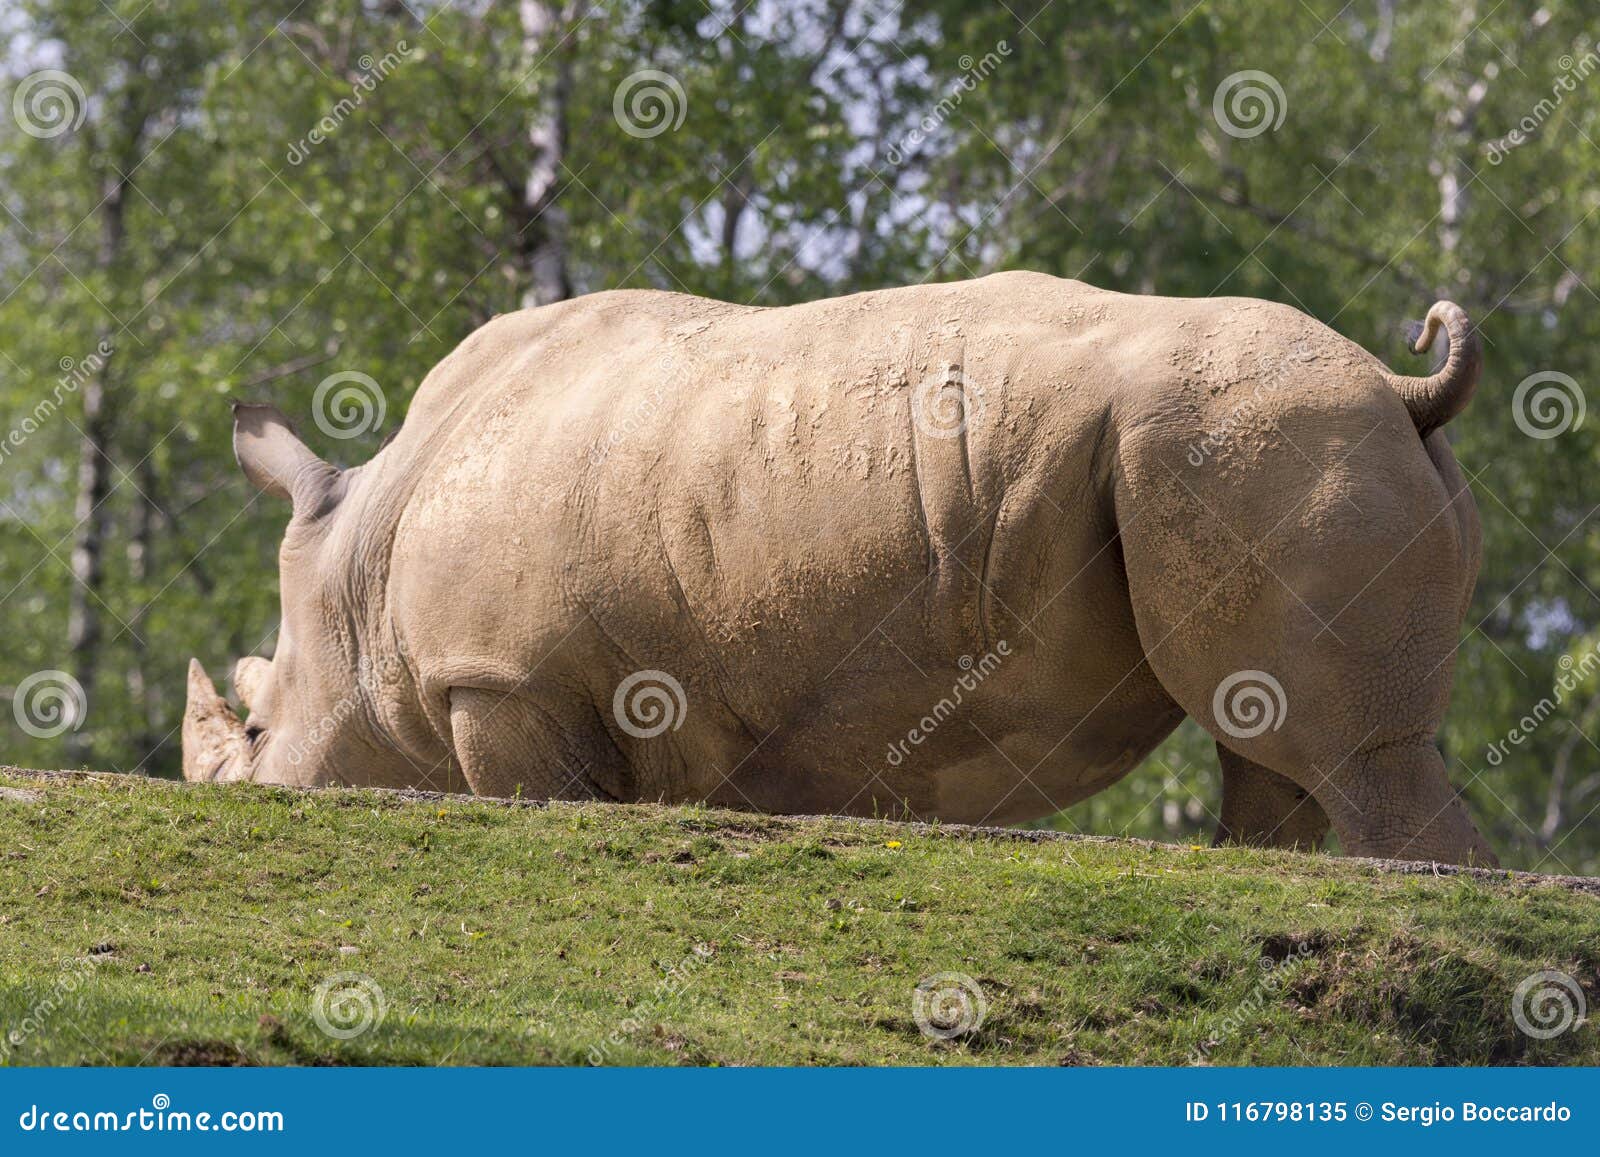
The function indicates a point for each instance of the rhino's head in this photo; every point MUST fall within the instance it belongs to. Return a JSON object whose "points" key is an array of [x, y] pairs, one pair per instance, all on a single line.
{"points": [[301, 703]]}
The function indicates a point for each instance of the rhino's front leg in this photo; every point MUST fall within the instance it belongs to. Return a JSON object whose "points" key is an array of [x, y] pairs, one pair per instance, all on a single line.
{"points": [[511, 746], [1265, 809]]}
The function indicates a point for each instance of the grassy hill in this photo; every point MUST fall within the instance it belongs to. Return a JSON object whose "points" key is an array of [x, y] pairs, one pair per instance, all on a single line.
{"points": [[150, 922]]}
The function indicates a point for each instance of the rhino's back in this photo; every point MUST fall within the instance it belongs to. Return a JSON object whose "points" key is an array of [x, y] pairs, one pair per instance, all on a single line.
{"points": [[771, 457]]}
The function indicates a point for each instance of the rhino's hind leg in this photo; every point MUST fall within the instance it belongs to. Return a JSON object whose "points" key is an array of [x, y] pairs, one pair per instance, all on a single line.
{"points": [[1395, 801], [1265, 809], [511, 746]]}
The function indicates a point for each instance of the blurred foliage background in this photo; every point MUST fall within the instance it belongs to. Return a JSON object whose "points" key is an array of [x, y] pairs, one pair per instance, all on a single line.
{"points": [[173, 232]]}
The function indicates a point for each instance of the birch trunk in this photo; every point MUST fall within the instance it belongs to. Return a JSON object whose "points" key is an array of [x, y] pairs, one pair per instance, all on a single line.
{"points": [[544, 241], [85, 618]]}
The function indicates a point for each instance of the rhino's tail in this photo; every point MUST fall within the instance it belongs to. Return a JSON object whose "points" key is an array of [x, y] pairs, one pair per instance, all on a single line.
{"points": [[1435, 399]]}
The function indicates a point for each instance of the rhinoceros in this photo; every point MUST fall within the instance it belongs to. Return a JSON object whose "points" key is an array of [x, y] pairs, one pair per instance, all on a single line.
{"points": [[960, 551]]}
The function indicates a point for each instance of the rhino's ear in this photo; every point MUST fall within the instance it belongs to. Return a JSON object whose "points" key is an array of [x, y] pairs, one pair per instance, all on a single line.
{"points": [[276, 461], [249, 676]]}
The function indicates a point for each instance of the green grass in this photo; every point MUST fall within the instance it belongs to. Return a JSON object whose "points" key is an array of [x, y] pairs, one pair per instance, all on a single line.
{"points": [[143, 921]]}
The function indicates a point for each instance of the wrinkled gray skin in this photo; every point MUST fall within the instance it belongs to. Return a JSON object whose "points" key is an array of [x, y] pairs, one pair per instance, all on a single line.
{"points": [[784, 510]]}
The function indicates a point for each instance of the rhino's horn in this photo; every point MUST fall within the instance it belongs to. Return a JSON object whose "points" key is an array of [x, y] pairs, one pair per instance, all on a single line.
{"points": [[214, 743]]}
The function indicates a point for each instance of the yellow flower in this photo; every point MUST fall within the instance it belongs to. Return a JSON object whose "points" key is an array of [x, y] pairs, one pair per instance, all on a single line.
{"points": [[892, 844]]}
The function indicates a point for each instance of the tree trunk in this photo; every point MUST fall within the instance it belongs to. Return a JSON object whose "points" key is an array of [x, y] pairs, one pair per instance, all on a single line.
{"points": [[85, 624], [740, 184], [141, 689], [1449, 162], [544, 241]]}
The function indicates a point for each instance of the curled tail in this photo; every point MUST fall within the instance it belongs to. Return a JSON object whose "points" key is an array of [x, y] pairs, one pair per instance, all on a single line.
{"points": [[1435, 399]]}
